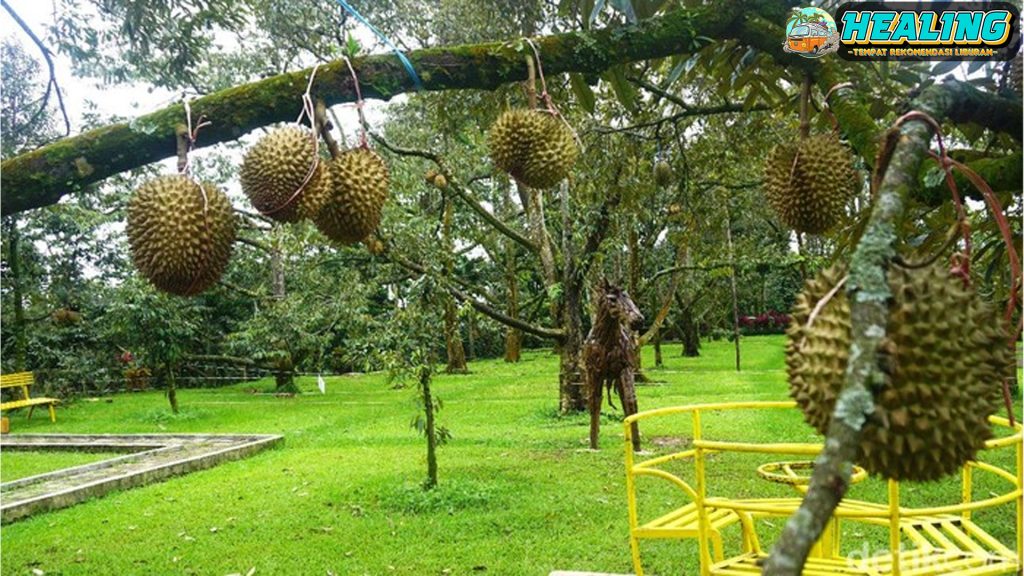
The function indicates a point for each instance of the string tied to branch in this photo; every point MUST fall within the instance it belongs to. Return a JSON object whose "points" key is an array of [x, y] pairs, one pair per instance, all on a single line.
{"points": [[186, 143], [359, 103], [960, 261], [308, 112], [546, 96]]}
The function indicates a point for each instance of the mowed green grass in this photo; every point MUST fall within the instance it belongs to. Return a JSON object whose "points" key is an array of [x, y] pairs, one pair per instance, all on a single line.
{"points": [[17, 464], [519, 493]]}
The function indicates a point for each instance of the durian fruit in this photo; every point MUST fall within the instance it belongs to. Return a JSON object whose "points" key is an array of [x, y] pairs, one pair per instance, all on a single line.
{"points": [[180, 238], [275, 168], [65, 317], [533, 146], [430, 175], [662, 173], [944, 355], [350, 211], [808, 183], [440, 181]]}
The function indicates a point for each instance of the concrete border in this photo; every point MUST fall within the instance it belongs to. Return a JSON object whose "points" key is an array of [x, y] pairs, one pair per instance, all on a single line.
{"points": [[152, 458]]}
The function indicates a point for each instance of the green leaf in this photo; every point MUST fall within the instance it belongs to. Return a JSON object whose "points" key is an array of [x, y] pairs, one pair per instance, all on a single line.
{"points": [[624, 91], [677, 71], [595, 12], [625, 7], [945, 67], [584, 95]]}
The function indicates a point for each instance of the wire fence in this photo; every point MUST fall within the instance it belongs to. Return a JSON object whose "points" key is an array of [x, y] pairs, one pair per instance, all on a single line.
{"points": [[105, 381]]}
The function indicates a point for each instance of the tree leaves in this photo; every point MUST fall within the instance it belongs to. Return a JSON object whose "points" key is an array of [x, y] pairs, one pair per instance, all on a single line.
{"points": [[624, 90], [584, 94]]}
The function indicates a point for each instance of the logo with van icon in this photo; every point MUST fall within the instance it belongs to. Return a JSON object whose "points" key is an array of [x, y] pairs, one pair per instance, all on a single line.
{"points": [[811, 33]]}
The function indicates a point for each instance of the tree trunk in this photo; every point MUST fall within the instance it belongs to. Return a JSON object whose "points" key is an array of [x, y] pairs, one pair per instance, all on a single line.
{"points": [[572, 393], [471, 336], [284, 375], [453, 340], [452, 335], [658, 361], [277, 287], [572, 396], [16, 282], [428, 410], [633, 287], [172, 392], [688, 329], [513, 336], [732, 283]]}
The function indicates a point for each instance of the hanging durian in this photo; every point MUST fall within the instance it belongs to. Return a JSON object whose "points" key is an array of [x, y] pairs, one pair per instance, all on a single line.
{"points": [[662, 173], [180, 234], [358, 187], [809, 182], [533, 146], [275, 169], [944, 355]]}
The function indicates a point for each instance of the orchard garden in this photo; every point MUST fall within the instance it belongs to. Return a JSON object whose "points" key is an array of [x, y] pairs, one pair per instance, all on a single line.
{"points": [[502, 287]]}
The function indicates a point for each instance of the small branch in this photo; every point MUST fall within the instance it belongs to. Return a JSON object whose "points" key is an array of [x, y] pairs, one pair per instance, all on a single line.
{"points": [[464, 195], [48, 56], [805, 100], [255, 244], [530, 84], [245, 291], [540, 331], [324, 126], [182, 138], [689, 112], [254, 215]]}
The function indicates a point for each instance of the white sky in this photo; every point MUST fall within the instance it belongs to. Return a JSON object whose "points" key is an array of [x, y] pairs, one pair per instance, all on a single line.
{"points": [[135, 99]]}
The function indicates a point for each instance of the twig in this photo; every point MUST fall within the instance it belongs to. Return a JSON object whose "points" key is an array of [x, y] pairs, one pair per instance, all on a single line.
{"points": [[687, 113], [48, 56], [254, 243], [324, 127], [460, 191]]}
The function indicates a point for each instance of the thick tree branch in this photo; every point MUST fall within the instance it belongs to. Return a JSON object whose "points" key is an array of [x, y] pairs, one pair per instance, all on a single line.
{"points": [[868, 293], [43, 176]]}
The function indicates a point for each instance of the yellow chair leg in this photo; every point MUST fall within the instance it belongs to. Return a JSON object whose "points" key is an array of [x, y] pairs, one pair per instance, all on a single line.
{"points": [[30, 409], [53, 414], [716, 541], [634, 547]]}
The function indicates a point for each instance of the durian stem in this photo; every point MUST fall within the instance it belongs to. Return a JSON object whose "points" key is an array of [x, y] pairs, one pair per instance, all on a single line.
{"points": [[805, 102], [182, 136], [530, 84], [324, 127]]}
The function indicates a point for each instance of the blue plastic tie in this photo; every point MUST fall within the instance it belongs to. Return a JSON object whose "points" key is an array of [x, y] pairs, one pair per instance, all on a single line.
{"points": [[387, 42]]}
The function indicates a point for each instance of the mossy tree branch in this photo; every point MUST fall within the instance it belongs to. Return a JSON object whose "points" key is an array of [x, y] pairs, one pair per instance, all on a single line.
{"points": [[41, 177], [868, 293]]}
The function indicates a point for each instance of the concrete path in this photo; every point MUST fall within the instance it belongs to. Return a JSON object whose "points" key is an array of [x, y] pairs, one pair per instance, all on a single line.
{"points": [[151, 458]]}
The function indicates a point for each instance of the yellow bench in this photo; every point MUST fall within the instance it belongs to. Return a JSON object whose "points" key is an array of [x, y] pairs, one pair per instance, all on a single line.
{"points": [[23, 380]]}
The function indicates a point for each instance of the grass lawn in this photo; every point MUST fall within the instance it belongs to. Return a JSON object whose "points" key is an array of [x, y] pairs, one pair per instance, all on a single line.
{"points": [[518, 493], [15, 464]]}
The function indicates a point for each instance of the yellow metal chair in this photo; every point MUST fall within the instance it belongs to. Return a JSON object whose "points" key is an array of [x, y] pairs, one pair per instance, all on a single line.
{"points": [[944, 539]]}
